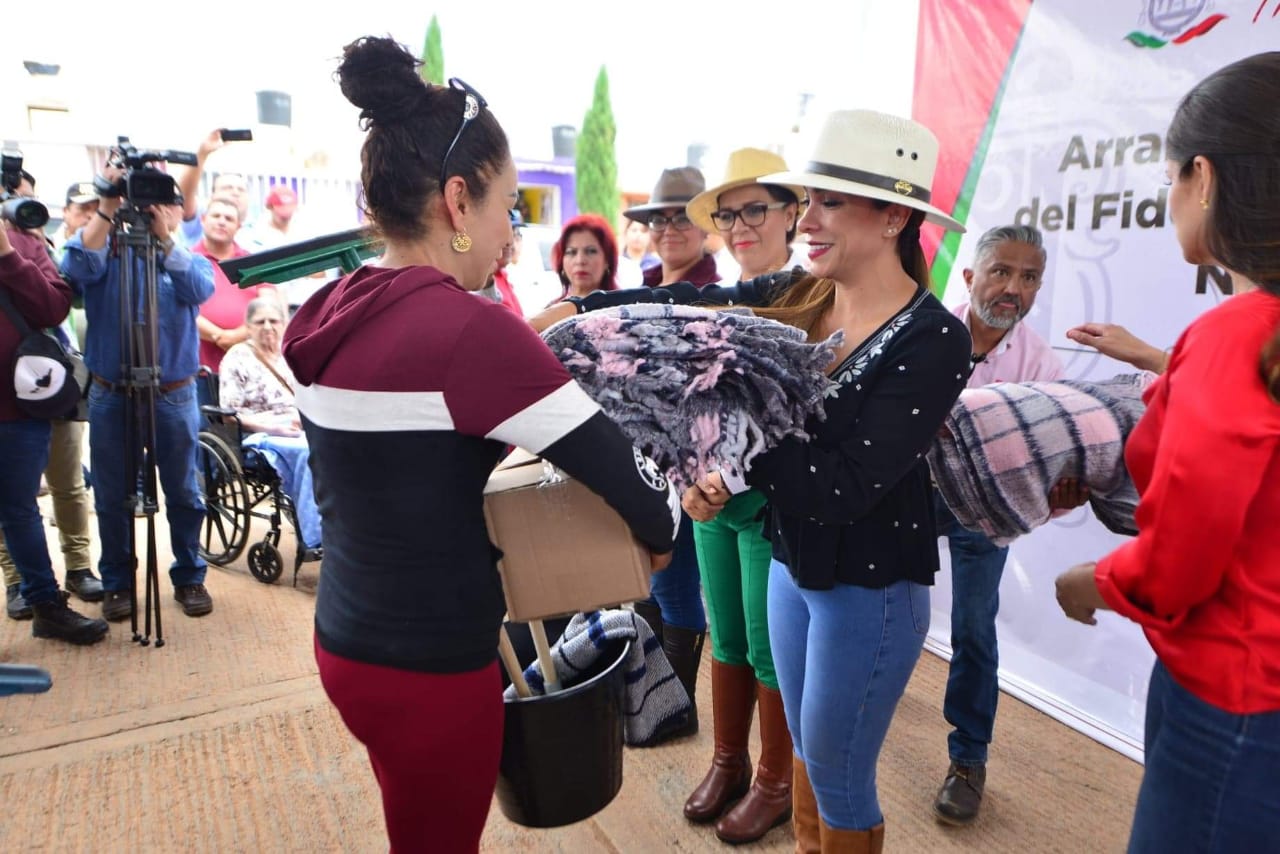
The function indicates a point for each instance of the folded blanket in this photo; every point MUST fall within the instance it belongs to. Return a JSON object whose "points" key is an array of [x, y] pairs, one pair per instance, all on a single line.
{"points": [[696, 389], [655, 699], [1005, 445]]}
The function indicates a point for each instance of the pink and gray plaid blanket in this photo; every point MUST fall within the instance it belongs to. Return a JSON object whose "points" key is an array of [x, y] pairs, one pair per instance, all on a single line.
{"points": [[1005, 445]]}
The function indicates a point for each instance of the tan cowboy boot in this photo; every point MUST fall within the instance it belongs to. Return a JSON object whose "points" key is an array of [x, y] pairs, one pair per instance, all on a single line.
{"points": [[804, 811]]}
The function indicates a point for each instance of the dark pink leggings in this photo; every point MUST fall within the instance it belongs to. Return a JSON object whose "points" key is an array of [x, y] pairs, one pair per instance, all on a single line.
{"points": [[434, 741]]}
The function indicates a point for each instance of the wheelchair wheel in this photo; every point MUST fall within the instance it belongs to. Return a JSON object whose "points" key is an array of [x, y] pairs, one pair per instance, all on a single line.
{"points": [[226, 521], [265, 562]]}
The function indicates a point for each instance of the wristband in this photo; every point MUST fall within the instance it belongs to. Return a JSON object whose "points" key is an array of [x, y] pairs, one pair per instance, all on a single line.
{"points": [[166, 245], [577, 304]]}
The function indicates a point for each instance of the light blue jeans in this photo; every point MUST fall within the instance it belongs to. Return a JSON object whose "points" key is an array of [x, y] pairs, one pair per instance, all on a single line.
{"points": [[288, 455], [843, 658]]}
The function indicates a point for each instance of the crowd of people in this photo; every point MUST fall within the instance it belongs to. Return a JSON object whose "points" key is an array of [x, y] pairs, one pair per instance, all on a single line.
{"points": [[386, 397]]}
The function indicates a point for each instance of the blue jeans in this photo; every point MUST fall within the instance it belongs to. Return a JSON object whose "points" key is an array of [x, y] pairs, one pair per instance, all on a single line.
{"points": [[1211, 782], [677, 590], [288, 455], [24, 449], [177, 425], [973, 685], [843, 658]]}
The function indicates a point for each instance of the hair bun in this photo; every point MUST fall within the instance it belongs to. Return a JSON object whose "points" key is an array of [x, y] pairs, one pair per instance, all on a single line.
{"points": [[380, 76]]}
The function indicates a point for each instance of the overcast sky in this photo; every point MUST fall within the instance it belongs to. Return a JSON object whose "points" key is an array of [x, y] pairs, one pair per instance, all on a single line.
{"points": [[720, 74]]}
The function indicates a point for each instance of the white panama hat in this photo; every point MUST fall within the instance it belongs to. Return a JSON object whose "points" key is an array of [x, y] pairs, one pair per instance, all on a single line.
{"points": [[876, 156]]}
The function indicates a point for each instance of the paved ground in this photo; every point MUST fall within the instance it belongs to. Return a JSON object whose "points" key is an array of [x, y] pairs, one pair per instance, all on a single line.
{"points": [[223, 741]]}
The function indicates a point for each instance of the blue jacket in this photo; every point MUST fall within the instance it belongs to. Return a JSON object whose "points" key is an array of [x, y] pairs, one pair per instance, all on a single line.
{"points": [[183, 282]]}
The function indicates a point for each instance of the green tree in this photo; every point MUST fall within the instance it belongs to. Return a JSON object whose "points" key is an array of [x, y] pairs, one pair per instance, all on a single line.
{"points": [[432, 69], [596, 163]]}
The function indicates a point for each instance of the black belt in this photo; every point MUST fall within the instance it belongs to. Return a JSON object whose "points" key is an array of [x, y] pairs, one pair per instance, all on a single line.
{"points": [[164, 388]]}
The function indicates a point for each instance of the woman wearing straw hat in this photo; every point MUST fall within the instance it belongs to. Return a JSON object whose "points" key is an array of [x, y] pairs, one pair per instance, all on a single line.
{"points": [[850, 510], [757, 221]]}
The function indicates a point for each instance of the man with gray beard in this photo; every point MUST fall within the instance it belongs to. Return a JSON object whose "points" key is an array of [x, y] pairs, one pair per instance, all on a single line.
{"points": [[1008, 267]]}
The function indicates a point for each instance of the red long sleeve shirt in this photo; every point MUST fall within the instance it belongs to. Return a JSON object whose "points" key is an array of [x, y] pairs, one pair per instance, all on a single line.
{"points": [[41, 297], [1203, 574]]}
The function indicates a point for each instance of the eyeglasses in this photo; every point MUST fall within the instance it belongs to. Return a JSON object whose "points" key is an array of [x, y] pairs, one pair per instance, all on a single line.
{"points": [[751, 215], [473, 103], [658, 222]]}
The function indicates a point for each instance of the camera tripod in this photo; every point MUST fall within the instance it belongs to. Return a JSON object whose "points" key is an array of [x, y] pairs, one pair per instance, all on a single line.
{"points": [[134, 246]]}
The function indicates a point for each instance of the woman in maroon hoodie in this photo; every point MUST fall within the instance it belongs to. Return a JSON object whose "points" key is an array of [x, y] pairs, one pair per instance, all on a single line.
{"points": [[32, 286], [410, 388]]}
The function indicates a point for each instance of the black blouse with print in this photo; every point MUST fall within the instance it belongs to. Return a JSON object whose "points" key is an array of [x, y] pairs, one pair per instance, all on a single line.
{"points": [[855, 503]]}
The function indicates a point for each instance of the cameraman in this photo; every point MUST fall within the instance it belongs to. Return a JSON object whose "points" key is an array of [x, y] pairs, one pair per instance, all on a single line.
{"points": [[184, 281], [32, 286]]}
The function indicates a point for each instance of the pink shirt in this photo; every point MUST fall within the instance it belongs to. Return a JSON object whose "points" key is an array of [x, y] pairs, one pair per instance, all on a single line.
{"points": [[1022, 356]]}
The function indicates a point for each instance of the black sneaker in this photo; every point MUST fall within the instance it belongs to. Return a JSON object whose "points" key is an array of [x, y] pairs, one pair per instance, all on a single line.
{"points": [[116, 605], [15, 605], [194, 599], [84, 584], [55, 620]]}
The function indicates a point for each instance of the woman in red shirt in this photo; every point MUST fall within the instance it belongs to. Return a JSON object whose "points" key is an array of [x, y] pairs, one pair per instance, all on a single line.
{"points": [[1203, 574]]}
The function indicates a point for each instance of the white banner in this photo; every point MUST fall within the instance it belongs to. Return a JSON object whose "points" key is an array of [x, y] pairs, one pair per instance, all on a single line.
{"points": [[1078, 151]]}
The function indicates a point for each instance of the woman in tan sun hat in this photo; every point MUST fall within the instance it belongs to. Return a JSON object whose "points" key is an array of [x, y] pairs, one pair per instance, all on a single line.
{"points": [[757, 222]]}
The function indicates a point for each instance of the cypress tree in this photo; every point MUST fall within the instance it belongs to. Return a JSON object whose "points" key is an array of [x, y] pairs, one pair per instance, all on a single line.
{"points": [[596, 165], [432, 69]]}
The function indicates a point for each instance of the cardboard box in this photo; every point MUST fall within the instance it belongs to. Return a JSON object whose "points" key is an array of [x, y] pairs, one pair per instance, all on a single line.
{"points": [[564, 549]]}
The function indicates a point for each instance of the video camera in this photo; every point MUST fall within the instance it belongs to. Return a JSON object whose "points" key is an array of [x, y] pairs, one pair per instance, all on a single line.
{"points": [[142, 184], [21, 211]]}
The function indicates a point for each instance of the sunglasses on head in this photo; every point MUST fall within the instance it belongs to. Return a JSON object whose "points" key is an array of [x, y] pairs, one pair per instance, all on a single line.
{"points": [[473, 103]]}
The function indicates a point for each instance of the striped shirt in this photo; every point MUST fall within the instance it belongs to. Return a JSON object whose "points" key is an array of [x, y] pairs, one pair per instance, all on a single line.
{"points": [[410, 390]]}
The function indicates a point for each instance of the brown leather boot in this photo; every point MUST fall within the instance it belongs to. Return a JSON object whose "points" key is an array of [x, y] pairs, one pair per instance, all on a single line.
{"points": [[768, 803], [804, 811], [960, 797], [852, 841], [733, 697]]}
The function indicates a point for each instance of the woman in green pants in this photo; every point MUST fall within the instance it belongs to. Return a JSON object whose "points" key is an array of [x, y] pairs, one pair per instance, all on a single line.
{"points": [[757, 222]]}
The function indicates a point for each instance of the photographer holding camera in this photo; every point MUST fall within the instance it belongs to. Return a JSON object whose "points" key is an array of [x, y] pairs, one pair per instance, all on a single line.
{"points": [[93, 265], [63, 472], [32, 286]]}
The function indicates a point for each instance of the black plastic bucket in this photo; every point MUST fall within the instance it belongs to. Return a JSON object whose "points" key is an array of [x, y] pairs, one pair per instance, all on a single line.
{"points": [[562, 753]]}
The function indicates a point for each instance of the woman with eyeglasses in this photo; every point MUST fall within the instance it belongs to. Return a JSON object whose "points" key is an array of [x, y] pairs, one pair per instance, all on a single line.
{"points": [[410, 390], [586, 257], [256, 382], [757, 221], [677, 240]]}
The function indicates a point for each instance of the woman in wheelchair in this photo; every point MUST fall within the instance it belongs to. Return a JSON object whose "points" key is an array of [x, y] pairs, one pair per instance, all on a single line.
{"points": [[255, 382]]}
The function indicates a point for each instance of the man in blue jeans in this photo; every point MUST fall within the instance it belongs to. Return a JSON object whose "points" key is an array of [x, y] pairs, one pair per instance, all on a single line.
{"points": [[184, 281], [1008, 268]]}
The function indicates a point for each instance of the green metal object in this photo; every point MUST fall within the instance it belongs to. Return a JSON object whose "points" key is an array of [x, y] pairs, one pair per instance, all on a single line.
{"points": [[346, 249]]}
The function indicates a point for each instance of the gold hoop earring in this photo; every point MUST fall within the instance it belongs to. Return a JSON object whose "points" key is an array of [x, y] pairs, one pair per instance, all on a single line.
{"points": [[1204, 204], [461, 242]]}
